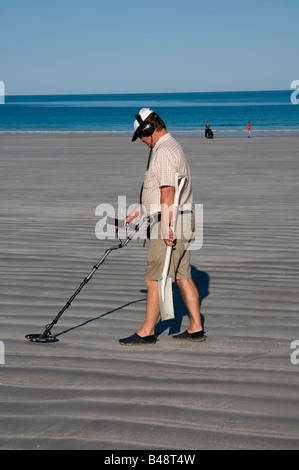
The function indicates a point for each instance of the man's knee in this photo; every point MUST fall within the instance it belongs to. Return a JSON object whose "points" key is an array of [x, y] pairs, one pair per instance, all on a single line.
{"points": [[183, 281]]}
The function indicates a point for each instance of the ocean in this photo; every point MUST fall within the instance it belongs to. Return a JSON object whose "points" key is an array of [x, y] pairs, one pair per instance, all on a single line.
{"points": [[227, 112]]}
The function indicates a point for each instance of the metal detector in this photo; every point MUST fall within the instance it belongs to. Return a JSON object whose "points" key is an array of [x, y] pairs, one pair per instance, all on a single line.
{"points": [[46, 336]]}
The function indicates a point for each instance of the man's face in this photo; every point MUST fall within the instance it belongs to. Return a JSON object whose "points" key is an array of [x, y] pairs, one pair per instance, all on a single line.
{"points": [[146, 140]]}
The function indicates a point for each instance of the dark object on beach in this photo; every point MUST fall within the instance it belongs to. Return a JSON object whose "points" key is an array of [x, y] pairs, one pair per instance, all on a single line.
{"points": [[209, 134]]}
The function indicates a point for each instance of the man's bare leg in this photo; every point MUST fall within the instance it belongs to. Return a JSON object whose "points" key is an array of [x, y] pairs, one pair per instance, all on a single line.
{"points": [[191, 298], [152, 309]]}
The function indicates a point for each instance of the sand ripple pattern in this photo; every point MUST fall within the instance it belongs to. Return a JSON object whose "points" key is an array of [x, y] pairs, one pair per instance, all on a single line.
{"points": [[238, 390]]}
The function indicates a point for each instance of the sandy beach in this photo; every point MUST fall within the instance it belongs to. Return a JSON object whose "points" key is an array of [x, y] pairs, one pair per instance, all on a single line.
{"points": [[237, 390]]}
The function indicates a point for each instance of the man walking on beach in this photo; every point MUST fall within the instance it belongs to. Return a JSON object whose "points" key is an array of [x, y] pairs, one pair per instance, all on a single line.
{"points": [[157, 197]]}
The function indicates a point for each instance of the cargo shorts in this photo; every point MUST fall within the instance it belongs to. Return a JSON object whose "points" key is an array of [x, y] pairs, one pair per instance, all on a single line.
{"points": [[180, 258]]}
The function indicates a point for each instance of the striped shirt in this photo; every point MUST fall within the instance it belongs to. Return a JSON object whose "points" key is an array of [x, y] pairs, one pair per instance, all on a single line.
{"points": [[167, 159]]}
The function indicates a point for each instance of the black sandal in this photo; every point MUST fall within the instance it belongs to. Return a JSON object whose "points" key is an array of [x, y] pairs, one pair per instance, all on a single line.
{"points": [[199, 336], [136, 339]]}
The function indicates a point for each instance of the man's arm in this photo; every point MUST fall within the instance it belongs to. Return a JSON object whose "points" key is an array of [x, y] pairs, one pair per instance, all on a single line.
{"points": [[167, 200]]}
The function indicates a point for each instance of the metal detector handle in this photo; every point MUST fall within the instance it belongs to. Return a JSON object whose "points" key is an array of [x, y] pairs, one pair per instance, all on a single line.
{"points": [[120, 223]]}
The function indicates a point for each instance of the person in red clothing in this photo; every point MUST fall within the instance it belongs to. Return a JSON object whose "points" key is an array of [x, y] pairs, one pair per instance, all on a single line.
{"points": [[249, 129]]}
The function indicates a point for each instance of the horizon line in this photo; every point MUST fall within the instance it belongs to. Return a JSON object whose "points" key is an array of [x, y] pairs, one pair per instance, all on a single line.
{"points": [[147, 93]]}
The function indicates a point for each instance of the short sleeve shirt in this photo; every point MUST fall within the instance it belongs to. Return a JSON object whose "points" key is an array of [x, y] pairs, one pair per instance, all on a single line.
{"points": [[167, 159]]}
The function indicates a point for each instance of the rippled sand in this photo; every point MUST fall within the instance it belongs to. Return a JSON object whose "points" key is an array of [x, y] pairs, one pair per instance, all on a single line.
{"points": [[237, 390]]}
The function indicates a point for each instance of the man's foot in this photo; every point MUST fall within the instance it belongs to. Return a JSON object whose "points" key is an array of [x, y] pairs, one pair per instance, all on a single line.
{"points": [[135, 339], [199, 336]]}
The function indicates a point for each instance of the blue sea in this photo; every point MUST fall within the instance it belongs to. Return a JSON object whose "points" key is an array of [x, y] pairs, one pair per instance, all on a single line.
{"points": [[227, 112]]}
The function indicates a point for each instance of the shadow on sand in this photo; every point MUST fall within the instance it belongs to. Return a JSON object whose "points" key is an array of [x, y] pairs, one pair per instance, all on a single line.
{"points": [[201, 280]]}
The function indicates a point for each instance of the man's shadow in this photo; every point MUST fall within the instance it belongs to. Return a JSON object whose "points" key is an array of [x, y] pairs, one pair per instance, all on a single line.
{"points": [[201, 279]]}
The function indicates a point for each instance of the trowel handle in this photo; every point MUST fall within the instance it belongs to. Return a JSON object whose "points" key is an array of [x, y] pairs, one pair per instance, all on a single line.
{"points": [[178, 188], [166, 265]]}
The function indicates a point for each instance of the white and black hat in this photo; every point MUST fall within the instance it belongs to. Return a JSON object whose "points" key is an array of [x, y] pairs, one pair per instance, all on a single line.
{"points": [[142, 127]]}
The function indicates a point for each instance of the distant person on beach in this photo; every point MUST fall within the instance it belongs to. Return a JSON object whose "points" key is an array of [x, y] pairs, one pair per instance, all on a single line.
{"points": [[208, 131], [207, 128], [249, 129], [157, 198]]}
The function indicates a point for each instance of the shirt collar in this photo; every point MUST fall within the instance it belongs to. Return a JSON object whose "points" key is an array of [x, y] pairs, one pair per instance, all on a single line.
{"points": [[161, 140]]}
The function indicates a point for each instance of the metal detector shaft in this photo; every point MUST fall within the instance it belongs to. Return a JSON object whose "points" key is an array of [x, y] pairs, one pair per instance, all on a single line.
{"points": [[47, 335]]}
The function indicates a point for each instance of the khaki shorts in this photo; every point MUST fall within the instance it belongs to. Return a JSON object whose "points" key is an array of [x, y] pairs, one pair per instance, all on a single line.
{"points": [[180, 259]]}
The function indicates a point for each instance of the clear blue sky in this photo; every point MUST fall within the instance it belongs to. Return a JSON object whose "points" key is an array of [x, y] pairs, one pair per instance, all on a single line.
{"points": [[128, 46]]}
